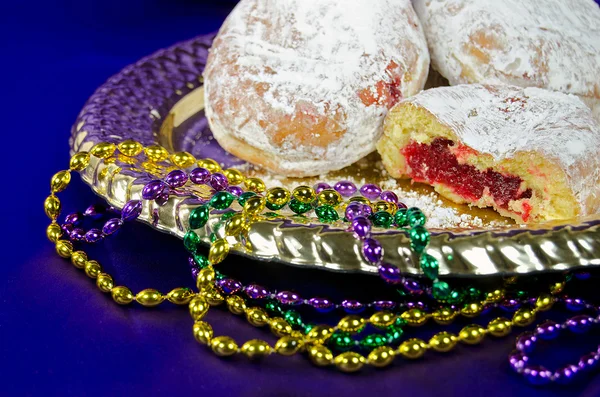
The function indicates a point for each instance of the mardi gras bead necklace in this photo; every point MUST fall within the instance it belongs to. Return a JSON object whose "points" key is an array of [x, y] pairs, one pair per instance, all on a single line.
{"points": [[346, 361]]}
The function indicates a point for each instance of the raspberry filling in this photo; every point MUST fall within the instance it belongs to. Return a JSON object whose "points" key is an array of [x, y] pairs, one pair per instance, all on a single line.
{"points": [[436, 163]]}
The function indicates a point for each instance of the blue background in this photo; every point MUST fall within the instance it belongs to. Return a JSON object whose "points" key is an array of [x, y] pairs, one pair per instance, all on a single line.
{"points": [[58, 334]]}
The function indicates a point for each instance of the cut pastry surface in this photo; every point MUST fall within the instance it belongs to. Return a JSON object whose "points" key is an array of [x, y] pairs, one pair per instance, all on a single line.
{"points": [[531, 154]]}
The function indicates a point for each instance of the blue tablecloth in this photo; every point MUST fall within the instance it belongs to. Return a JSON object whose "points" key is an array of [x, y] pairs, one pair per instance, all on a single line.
{"points": [[58, 334]]}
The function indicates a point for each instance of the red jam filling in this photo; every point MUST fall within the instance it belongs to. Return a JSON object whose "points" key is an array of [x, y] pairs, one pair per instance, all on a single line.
{"points": [[436, 163]]}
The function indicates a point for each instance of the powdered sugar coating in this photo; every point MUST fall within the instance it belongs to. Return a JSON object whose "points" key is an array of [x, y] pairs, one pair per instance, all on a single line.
{"points": [[502, 120], [553, 44], [285, 78]]}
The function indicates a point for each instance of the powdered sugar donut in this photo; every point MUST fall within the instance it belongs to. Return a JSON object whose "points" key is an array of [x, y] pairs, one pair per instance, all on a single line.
{"points": [[553, 44], [301, 87], [530, 153]]}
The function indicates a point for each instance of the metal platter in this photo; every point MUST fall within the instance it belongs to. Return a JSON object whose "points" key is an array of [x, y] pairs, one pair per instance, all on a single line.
{"points": [[159, 100]]}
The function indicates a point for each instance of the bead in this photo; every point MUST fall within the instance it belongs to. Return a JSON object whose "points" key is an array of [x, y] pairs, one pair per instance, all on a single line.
{"points": [[544, 302], [278, 196], [361, 227], [386, 207], [236, 304], [443, 342], [341, 341], [526, 342], [557, 288], [191, 241], [205, 278], [471, 310], [384, 305], [319, 187], [52, 207], [234, 177], [471, 334], [64, 248], [229, 286], [430, 266], [212, 296], [523, 317], [198, 308], [53, 232], [176, 178], [288, 298], [320, 355], [219, 181], [419, 238], [574, 304], [131, 210], [322, 305], [440, 290], [304, 194], [351, 324], [372, 341], [235, 190], [156, 153], [370, 191], [412, 348], [79, 161], [382, 219], [256, 348], [580, 324], [536, 374], [105, 282], [180, 296], [495, 296], [200, 176], [372, 250], [588, 362], [255, 185], [122, 295], [235, 226], [257, 316], [390, 197], [288, 345], [209, 164], [415, 217], [182, 159], [60, 181], [79, 259], [345, 188], [414, 317], [149, 297], [565, 375], [92, 269], [390, 273], [326, 214], [112, 226], [199, 216], [93, 236], [444, 316], [382, 319], [130, 148], [255, 291], [517, 360], [499, 327], [221, 200], [103, 150], [361, 200], [329, 197], [254, 206], [223, 346], [381, 357], [218, 251], [293, 317], [349, 362], [400, 217], [298, 207], [280, 327], [203, 332], [319, 334], [548, 330]]}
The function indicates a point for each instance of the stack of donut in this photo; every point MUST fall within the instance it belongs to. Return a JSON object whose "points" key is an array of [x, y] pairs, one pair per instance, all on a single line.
{"points": [[302, 87]]}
